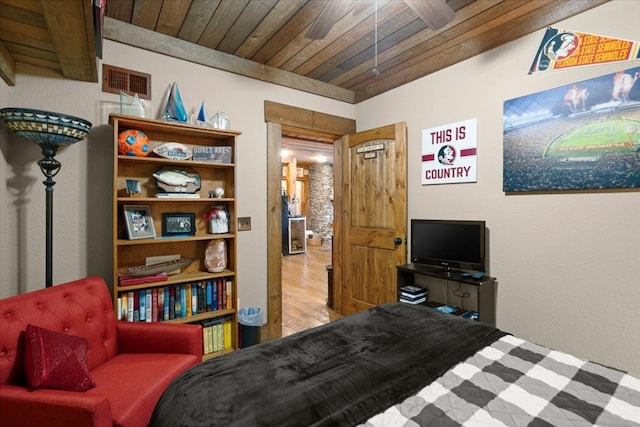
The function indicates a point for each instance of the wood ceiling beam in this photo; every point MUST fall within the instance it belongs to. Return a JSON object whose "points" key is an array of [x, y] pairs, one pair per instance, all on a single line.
{"points": [[435, 13], [7, 66], [70, 25], [155, 42], [311, 121]]}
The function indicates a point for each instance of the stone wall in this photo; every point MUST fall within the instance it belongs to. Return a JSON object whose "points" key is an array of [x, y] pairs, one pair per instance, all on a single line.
{"points": [[320, 218]]}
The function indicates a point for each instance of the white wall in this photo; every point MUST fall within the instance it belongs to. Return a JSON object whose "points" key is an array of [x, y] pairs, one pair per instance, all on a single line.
{"points": [[82, 194], [567, 264]]}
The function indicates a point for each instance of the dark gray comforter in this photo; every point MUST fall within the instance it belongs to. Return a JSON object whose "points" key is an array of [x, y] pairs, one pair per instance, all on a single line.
{"points": [[337, 374]]}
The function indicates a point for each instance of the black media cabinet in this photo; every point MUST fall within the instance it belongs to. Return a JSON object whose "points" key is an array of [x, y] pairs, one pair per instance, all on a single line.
{"points": [[484, 289]]}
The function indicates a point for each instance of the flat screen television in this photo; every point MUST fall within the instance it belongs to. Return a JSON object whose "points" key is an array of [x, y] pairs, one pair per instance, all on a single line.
{"points": [[448, 244]]}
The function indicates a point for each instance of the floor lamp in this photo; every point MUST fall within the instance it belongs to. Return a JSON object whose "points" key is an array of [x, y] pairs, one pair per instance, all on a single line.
{"points": [[51, 131]]}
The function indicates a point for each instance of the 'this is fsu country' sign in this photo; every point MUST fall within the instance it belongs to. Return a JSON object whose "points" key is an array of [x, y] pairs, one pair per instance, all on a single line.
{"points": [[449, 153]]}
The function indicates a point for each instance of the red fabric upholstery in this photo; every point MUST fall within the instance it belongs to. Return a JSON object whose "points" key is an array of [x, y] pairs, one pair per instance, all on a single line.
{"points": [[127, 385], [55, 360], [21, 406], [152, 374], [141, 337]]}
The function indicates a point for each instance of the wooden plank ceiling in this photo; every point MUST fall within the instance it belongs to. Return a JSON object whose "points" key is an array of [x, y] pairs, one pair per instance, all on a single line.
{"points": [[53, 34], [265, 39], [270, 36]]}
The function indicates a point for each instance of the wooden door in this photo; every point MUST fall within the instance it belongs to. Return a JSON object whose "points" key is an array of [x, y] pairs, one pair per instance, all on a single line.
{"points": [[371, 231]]}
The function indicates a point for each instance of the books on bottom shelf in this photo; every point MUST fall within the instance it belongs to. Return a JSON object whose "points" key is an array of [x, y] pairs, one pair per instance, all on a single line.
{"points": [[178, 301], [217, 334], [413, 294]]}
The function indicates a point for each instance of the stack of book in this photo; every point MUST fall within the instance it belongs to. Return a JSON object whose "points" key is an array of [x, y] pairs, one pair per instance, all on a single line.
{"points": [[216, 334], [413, 294], [175, 301]]}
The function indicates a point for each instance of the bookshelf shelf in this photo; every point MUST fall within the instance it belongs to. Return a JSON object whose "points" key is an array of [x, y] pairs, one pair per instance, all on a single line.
{"points": [[164, 241], [194, 284]]}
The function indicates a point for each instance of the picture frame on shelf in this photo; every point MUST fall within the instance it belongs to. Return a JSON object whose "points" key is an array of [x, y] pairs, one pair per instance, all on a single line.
{"points": [[139, 222], [178, 224], [134, 189]]}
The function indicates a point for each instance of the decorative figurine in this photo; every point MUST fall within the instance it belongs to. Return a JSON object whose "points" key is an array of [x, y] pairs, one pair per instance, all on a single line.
{"points": [[131, 105], [221, 121], [174, 109], [176, 181], [215, 256], [202, 119], [218, 220]]}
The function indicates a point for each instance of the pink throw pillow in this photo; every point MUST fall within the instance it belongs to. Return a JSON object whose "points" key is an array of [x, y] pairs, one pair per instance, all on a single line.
{"points": [[54, 360]]}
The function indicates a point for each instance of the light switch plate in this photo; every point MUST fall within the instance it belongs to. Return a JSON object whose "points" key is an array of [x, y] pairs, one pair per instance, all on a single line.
{"points": [[244, 223]]}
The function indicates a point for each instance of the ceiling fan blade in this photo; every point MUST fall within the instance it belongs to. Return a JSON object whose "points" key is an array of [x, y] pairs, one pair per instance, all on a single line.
{"points": [[435, 13], [326, 20]]}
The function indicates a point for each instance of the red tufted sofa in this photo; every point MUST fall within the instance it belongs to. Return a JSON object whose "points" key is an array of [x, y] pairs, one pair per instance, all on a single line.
{"points": [[130, 363]]}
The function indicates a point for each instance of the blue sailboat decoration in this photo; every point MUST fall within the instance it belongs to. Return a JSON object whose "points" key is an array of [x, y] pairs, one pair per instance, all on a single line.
{"points": [[174, 110], [202, 119]]}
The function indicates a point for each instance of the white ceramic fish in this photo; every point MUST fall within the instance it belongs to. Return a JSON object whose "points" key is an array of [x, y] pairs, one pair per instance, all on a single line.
{"points": [[174, 177]]}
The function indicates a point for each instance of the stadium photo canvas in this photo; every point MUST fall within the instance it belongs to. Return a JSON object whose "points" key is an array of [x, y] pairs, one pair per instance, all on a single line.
{"points": [[583, 136]]}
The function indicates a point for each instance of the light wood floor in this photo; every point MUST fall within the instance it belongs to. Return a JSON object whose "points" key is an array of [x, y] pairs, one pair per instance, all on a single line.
{"points": [[304, 289]]}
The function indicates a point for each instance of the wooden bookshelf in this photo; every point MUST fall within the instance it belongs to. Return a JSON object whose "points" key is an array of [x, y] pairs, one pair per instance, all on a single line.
{"points": [[129, 253]]}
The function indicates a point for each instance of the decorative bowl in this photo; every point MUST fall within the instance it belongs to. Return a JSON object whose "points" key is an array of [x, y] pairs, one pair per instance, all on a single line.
{"points": [[45, 127]]}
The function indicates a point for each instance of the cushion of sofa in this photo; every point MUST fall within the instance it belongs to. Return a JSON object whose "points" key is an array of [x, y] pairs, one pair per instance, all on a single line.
{"points": [[134, 382], [55, 360]]}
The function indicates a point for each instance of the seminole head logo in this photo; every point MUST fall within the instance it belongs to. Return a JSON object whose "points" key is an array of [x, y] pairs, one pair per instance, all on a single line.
{"points": [[446, 155], [561, 46]]}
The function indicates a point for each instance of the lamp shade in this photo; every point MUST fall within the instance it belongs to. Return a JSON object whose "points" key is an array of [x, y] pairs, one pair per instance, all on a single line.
{"points": [[45, 127]]}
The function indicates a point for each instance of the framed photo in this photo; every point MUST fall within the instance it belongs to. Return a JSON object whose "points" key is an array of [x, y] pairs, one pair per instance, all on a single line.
{"points": [[139, 222], [576, 137], [133, 187], [178, 224]]}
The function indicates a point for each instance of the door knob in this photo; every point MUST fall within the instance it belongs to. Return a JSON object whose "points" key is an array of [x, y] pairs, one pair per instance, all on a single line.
{"points": [[397, 241]]}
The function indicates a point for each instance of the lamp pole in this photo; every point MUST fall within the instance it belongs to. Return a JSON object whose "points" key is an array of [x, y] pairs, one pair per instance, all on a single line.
{"points": [[50, 168], [50, 131]]}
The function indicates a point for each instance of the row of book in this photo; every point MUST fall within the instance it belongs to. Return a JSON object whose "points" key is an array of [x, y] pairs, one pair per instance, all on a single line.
{"points": [[413, 294], [217, 334], [175, 301]]}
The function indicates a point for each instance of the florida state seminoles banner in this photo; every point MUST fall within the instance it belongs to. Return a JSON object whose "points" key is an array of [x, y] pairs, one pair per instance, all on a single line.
{"points": [[449, 153], [566, 49]]}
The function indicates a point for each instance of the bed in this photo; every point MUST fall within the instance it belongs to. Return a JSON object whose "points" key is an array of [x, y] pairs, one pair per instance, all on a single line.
{"points": [[399, 365]]}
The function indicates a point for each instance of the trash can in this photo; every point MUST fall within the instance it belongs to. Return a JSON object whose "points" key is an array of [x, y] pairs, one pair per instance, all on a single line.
{"points": [[250, 320]]}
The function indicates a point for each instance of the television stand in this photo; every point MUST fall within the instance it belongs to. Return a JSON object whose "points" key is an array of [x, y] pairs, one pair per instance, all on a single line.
{"points": [[483, 290]]}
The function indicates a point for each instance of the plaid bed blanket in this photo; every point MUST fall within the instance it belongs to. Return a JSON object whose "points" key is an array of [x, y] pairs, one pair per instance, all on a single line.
{"points": [[516, 383]]}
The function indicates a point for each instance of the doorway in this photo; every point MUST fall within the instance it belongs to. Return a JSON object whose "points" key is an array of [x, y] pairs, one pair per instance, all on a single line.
{"points": [[307, 185], [304, 289], [279, 118]]}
